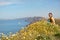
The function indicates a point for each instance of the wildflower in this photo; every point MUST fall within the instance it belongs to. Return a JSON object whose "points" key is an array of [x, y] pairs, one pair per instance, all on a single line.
{"points": [[35, 39], [14, 35], [6, 37], [38, 35], [24, 37], [30, 34]]}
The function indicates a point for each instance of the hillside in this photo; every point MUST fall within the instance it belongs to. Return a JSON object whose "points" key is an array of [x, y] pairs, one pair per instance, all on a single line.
{"points": [[57, 21], [31, 19], [40, 30]]}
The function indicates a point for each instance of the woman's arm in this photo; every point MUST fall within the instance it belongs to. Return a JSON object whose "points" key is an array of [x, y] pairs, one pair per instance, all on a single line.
{"points": [[53, 21]]}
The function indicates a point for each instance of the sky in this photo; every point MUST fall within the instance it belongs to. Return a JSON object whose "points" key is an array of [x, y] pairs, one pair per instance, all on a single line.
{"points": [[12, 9]]}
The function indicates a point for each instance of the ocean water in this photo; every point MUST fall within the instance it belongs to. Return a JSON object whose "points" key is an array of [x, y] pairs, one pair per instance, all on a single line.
{"points": [[13, 26]]}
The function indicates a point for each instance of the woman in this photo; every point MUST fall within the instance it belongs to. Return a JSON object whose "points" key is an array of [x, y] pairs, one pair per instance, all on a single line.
{"points": [[51, 19]]}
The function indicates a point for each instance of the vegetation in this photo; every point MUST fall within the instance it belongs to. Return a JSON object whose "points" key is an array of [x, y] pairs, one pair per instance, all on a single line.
{"points": [[41, 30], [57, 21]]}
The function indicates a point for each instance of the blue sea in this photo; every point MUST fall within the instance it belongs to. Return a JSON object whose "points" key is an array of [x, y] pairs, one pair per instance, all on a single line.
{"points": [[13, 26]]}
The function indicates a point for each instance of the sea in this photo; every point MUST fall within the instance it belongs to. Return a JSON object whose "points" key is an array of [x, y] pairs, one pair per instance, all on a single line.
{"points": [[13, 26]]}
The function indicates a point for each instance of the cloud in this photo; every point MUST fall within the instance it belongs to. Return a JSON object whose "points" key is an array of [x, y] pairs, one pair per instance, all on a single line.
{"points": [[5, 3], [9, 2]]}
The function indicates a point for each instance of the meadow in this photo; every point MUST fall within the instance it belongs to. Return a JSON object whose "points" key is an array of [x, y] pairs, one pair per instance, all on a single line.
{"points": [[40, 30]]}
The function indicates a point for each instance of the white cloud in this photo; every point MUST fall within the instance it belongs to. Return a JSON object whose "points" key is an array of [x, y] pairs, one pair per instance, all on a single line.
{"points": [[8, 2], [5, 3]]}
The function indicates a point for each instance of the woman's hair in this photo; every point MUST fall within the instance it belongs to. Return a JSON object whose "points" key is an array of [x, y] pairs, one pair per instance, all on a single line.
{"points": [[50, 14]]}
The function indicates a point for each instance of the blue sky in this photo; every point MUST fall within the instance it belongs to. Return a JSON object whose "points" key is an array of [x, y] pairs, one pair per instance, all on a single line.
{"points": [[12, 9]]}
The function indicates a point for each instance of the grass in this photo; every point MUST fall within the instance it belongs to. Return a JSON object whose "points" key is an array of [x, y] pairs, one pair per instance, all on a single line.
{"points": [[41, 30]]}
